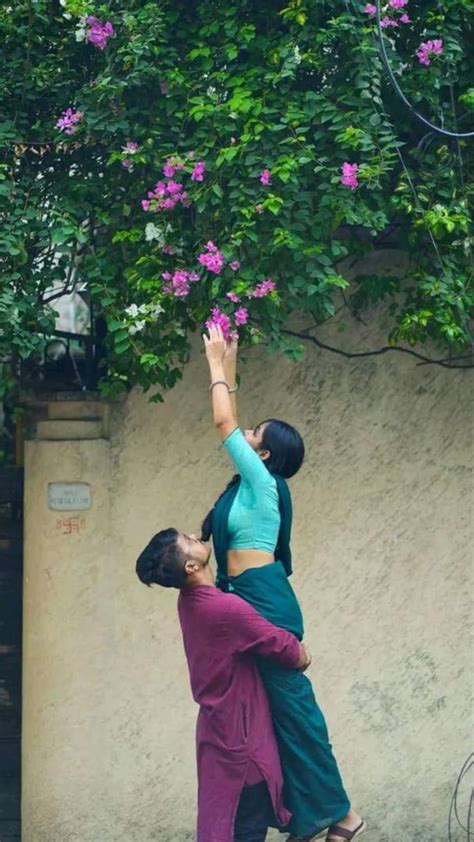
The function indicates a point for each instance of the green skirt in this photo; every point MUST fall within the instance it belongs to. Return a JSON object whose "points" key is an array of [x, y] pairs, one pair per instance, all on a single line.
{"points": [[313, 790]]}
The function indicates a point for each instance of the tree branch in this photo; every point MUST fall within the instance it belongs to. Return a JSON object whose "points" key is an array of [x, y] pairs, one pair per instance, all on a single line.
{"points": [[445, 362]]}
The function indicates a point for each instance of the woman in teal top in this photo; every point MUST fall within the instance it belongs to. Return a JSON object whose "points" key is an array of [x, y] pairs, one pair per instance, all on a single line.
{"points": [[250, 526]]}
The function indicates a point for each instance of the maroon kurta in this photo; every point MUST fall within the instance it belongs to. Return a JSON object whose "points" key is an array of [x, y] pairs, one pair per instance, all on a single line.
{"points": [[222, 635]]}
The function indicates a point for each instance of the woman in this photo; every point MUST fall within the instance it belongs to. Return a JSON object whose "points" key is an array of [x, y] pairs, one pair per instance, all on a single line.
{"points": [[250, 526]]}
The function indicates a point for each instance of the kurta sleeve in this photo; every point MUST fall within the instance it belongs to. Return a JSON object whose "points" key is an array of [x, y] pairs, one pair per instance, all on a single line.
{"points": [[250, 633], [250, 467]]}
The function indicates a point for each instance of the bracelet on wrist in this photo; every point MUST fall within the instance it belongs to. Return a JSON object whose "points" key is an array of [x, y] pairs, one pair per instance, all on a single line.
{"points": [[217, 383]]}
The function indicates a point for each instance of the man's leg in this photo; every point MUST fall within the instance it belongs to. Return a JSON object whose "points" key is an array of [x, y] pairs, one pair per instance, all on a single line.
{"points": [[254, 814]]}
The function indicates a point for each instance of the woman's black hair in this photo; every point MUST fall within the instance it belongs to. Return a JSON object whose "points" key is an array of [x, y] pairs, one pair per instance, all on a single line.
{"points": [[285, 445], [286, 457], [162, 562]]}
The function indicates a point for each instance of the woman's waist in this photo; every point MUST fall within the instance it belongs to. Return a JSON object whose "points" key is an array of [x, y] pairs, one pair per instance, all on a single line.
{"points": [[242, 559], [267, 588]]}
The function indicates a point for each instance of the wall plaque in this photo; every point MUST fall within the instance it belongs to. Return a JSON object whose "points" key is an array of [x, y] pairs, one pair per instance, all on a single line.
{"points": [[69, 496]]}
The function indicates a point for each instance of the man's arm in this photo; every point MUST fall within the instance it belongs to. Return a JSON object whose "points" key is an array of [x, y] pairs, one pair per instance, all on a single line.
{"points": [[252, 634]]}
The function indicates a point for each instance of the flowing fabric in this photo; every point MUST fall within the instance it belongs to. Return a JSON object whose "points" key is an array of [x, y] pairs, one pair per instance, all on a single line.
{"points": [[223, 636], [313, 789]]}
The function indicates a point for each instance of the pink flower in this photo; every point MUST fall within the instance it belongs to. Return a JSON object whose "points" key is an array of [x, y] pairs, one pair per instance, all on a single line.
{"points": [[262, 289], [99, 32], [241, 316], [213, 262], [131, 147], [169, 168], [232, 296], [397, 4], [404, 18], [198, 171], [127, 163], [234, 265], [145, 205], [428, 49], [178, 282], [168, 204], [159, 189], [173, 188], [68, 120], [220, 319], [265, 177], [386, 22], [349, 175], [168, 249], [370, 9]]}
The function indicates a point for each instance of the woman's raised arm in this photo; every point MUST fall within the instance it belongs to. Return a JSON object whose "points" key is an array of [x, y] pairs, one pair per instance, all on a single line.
{"points": [[223, 404]]}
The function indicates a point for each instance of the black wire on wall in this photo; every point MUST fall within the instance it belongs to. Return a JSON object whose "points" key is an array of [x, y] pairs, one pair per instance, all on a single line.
{"points": [[399, 91]]}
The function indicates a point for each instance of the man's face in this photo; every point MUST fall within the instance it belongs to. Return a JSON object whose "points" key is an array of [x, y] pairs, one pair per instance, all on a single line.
{"points": [[194, 549]]}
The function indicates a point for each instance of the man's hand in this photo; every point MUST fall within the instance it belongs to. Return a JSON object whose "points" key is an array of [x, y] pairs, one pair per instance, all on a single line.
{"points": [[305, 658]]}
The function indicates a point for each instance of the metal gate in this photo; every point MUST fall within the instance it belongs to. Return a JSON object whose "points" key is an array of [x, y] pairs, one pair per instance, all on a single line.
{"points": [[11, 584]]}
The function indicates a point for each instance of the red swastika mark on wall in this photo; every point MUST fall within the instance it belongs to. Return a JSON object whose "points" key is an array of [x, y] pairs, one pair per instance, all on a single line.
{"points": [[70, 525]]}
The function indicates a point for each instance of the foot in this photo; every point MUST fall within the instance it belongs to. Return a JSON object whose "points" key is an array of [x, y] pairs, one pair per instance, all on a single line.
{"points": [[351, 822]]}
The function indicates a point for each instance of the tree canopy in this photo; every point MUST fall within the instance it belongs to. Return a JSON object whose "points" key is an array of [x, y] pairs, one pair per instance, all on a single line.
{"points": [[191, 160]]}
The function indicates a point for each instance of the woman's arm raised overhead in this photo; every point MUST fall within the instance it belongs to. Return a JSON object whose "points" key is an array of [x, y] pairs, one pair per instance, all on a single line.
{"points": [[230, 370], [222, 404]]}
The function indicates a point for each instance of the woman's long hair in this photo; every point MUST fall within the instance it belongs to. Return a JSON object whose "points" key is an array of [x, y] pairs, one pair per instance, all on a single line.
{"points": [[286, 456]]}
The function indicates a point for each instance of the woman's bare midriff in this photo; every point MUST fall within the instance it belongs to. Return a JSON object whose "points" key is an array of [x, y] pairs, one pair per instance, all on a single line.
{"points": [[240, 560]]}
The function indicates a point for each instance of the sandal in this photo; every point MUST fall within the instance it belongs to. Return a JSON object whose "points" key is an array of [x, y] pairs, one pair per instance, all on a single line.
{"points": [[336, 831]]}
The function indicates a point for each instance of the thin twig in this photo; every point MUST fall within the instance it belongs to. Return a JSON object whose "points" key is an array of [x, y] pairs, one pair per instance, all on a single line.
{"points": [[444, 362]]}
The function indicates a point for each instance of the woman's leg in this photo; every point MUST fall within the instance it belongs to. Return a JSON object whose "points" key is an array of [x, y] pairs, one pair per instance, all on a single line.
{"points": [[313, 788]]}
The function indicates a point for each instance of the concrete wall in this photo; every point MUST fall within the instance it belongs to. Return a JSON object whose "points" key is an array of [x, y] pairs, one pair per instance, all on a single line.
{"points": [[382, 567]]}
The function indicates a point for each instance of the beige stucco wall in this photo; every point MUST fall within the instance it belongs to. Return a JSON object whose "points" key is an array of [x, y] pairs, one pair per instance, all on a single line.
{"points": [[383, 566]]}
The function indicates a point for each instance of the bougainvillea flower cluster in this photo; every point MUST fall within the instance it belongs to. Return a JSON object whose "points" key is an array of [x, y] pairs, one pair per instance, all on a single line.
{"points": [[219, 319], [165, 196], [198, 171], [178, 283], [265, 177], [212, 258], [68, 120], [428, 49], [388, 21], [98, 32], [262, 289], [349, 175]]}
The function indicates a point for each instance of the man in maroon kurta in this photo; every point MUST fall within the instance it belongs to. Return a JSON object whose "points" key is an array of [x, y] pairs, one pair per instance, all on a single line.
{"points": [[236, 749]]}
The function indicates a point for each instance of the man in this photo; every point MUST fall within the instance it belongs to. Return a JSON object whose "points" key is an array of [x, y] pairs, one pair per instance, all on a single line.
{"points": [[239, 774]]}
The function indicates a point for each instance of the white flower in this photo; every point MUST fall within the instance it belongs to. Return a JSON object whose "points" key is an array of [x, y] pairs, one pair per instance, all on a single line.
{"points": [[153, 233], [142, 308], [133, 329], [132, 311], [155, 311], [297, 55], [81, 28]]}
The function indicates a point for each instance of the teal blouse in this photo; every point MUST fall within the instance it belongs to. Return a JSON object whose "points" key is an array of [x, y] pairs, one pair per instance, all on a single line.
{"points": [[254, 517]]}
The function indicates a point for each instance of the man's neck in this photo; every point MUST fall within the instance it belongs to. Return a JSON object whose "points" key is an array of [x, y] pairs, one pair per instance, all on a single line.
{"points": [[204, 577]]}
